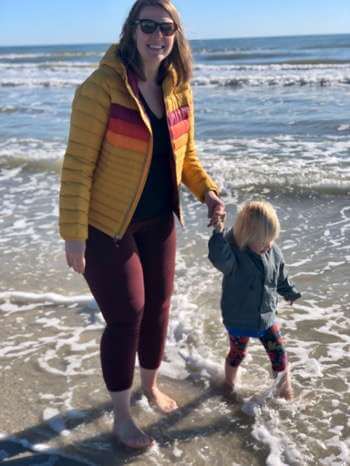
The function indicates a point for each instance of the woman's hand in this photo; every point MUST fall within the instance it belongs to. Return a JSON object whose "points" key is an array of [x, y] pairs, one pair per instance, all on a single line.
{"points": [[75, 254], [216, 208]]}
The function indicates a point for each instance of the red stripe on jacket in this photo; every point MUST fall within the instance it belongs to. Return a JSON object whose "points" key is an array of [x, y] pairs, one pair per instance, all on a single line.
{"points": [[118, 126]]}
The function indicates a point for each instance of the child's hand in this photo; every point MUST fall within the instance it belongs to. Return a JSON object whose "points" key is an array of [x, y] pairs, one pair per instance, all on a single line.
{"points": [[215, 206], [219, 222], [291, 301]]}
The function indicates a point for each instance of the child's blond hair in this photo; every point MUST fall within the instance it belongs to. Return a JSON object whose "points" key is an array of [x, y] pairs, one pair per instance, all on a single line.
{"points": [[256, 221]]}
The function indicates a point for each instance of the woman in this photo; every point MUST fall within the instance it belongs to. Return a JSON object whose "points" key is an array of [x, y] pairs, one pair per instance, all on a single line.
{"points": [[131, 145]]}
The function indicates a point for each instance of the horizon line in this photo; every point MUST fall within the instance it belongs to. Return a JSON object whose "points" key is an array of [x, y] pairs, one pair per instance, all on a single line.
{"points": [[190, 40]]}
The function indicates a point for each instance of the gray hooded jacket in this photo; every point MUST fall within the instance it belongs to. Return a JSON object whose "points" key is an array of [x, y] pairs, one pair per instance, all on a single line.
{"points": [[249, 291]]}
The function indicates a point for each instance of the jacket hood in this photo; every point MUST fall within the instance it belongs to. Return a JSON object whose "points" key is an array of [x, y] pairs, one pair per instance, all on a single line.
{"points": [[112, 60]]}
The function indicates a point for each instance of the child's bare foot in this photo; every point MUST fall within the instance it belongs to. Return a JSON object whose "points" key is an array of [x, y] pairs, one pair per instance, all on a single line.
{"points": [[284, 387], [286, 392], [228, 391], [228, 387], [131, 436], [161, 400]]}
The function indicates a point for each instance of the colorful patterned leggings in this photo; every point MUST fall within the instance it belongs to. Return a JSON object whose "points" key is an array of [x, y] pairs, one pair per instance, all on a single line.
{"points": [[273, 345]]}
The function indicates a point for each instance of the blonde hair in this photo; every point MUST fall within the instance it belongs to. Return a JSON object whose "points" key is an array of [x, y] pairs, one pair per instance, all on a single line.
{"points": [[256, 221], [180, 56]]}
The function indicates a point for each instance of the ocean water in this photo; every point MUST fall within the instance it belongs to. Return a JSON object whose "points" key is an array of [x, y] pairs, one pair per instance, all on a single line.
{"points": [[272, 121]]}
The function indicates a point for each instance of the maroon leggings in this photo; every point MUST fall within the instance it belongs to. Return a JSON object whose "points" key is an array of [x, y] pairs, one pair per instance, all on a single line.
{"points": [[132, 283]]}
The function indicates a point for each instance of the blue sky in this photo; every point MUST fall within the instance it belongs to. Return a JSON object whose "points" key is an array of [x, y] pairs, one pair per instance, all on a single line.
{"points": [[27, 22]]}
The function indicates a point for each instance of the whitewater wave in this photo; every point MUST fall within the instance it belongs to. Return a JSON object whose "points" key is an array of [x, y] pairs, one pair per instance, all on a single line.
{"points": [[18, 297], [30, 153], [61, 75], [21, 109], [229, 82], [51, 66], [267, 57], [284, 81], [279, 165], [271, 67], [14, 58], [40, 82]]}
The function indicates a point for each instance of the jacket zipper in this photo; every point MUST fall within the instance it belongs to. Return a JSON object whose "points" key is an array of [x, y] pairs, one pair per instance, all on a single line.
{"points": [[117, 238], [178, 211]]}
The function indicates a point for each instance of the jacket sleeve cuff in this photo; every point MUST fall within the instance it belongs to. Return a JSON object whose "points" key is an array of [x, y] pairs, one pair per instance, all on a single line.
{"points": [[209, 187], [74, 232]]}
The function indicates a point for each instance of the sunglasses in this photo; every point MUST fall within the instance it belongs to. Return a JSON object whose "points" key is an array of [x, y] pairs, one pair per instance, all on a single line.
{"points": [[148, 26]]}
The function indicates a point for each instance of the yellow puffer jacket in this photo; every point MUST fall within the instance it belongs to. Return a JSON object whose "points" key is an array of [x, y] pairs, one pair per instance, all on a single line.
{"points": [[110, 147]]}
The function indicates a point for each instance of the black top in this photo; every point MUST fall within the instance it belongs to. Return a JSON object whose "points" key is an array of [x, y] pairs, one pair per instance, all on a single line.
{"points": [[157, 195]]}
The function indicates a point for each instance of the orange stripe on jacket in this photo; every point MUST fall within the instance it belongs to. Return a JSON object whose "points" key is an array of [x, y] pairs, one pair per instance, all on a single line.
{"points": [[180, 129], [180, 142], [125, 128], [127, 143]]}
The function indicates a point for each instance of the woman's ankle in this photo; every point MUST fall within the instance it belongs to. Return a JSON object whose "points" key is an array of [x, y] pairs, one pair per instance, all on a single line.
{"points": [[149, 380], [121, 405]]}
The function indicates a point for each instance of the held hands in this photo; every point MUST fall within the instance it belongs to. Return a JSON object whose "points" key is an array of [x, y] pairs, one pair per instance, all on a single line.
{"points": [[216, 209], [219, 223], [75, 254], [75, 249]]}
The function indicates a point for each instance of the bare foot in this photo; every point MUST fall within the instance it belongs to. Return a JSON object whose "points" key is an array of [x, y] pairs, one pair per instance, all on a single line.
{"points": [[286, 392], [228, 387], [228, 390], [284, 387], [161, 400], [131, 436]]}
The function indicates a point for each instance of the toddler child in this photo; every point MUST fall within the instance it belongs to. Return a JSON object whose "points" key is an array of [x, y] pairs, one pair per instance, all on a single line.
{"points": [[253, 275]]}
